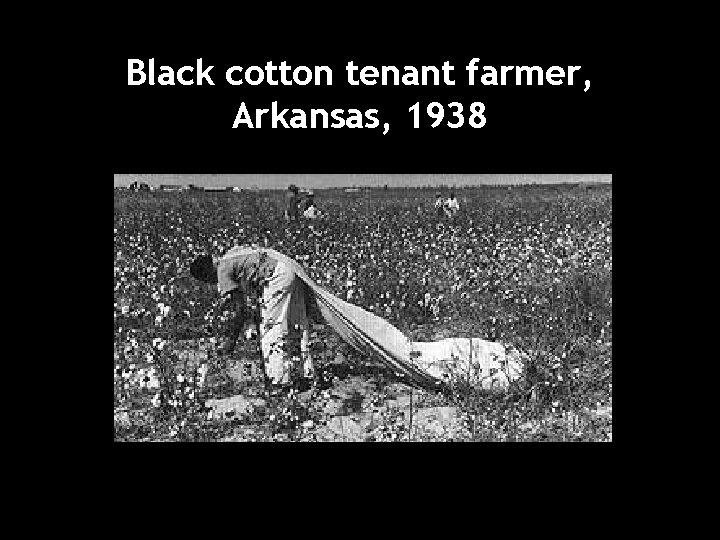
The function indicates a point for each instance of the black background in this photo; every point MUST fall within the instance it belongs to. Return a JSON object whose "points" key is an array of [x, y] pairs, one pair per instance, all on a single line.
{"points": [[529, 130]]}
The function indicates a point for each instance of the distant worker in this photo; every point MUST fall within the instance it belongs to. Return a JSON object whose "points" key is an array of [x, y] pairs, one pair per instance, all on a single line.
{"points": [[310, 211], [439, 205], [303, 202], [291, 203], [451, 205]]}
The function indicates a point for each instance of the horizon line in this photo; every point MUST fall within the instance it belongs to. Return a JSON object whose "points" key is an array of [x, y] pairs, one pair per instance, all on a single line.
{"points": [[329, 181]]}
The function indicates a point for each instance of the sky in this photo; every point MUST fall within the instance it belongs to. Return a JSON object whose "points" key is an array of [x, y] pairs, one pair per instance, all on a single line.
{"points": [[318, 181]]}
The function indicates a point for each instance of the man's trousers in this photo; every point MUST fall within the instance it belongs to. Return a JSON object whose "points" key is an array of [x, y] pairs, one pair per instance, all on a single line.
{"points": [[284, 322]]}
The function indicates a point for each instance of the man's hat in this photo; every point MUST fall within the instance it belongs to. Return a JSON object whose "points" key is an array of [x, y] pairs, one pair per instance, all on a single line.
{"points": [[202, 268]]}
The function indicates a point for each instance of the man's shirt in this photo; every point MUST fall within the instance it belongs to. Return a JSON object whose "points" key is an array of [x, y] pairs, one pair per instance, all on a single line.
{"points": [[291, 203], [242, 267], [311, 212]]}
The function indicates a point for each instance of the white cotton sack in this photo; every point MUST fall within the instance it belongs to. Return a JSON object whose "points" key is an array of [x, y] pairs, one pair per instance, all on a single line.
{"points": [[484, 364]]}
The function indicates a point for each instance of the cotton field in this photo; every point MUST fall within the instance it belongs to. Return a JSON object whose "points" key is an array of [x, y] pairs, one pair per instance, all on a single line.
{"points": [[530, 267]]}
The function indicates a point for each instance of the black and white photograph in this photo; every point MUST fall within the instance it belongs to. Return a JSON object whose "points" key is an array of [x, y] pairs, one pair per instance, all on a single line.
{"points": [[363, 307]]}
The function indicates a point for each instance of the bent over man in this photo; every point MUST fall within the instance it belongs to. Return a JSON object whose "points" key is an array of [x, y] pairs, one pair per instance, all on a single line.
{"points": [[243, 271]]}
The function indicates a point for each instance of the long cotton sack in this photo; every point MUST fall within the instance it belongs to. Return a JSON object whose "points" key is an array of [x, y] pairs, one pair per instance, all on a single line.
{"points": [[423, 364]]}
